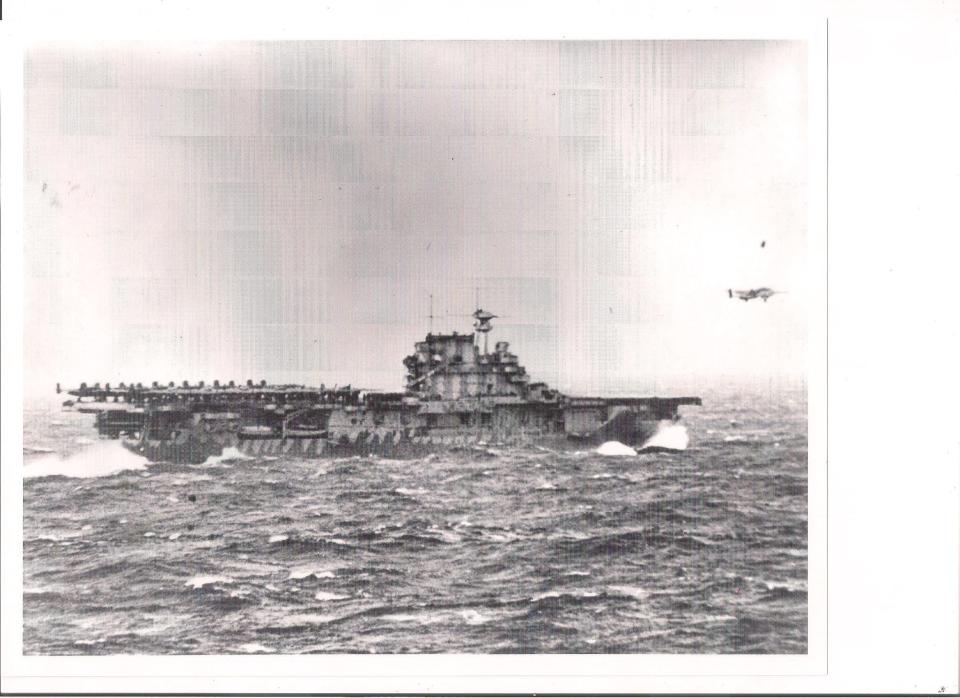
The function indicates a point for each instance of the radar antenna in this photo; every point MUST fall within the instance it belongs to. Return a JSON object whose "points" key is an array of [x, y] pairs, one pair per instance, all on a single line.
{"points": [[482, 324]]}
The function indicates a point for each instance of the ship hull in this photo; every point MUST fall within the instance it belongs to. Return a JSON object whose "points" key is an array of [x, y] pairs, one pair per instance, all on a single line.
{"points": [[388, 443]]}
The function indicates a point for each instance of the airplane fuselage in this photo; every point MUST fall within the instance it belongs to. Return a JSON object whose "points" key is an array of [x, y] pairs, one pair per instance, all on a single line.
{"points": [[750, 294]]}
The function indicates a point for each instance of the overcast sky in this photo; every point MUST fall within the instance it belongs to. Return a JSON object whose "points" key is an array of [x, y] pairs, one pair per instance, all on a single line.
{"points": [[284, 210]]}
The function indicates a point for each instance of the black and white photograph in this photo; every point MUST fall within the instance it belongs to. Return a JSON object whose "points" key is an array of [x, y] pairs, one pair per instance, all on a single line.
{"points": [[390, 347], [345, 353]]}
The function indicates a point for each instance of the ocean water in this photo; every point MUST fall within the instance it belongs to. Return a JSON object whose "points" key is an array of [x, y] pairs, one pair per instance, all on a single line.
{"points": [[702, 550]]}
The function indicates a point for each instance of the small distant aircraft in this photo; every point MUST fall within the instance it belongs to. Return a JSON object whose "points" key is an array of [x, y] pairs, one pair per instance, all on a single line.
{"points": [[752, 293]]}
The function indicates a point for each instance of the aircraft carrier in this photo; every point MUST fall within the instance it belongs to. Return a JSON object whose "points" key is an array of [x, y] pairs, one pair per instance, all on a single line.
{"points": [[458, 395]]}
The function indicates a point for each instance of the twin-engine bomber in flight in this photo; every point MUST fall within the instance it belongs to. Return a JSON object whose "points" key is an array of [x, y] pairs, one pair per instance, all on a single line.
{"points": [[752, 293]]}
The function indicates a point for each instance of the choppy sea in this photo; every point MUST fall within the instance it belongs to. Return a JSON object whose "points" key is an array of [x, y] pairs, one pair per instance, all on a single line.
{"points": [[702, 550]]}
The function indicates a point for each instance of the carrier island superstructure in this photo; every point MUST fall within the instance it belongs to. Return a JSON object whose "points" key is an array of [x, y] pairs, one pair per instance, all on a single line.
{"points": [[458, 394]]}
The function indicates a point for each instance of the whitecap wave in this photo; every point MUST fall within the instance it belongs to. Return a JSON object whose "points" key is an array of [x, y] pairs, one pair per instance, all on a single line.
{"points": [[615, 448], [329, 596], [28, 591], [444, 535], [792, 587], [311, 571], [472, 617], [576, 573], [635, 592], [545, 486], [422, 618], [100, 460], [255, 648], [576, 593], [201, 581], [86, 643]]}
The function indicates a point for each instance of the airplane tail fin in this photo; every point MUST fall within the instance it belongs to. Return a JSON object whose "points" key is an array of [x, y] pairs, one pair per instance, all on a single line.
{"points": [[730, 292]]}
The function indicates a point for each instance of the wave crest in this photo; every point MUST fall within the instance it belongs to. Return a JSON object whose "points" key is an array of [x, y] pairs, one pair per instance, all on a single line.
{"points": [[99, 460]]}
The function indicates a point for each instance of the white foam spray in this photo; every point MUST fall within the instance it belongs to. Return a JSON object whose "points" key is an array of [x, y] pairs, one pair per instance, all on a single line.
{"points": [[230, 453], [670, 436], [615, 448], [99, 460]]}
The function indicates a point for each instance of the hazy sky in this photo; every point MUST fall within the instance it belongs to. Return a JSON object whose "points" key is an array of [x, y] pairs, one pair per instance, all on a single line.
{"points": [[284, 210]]}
